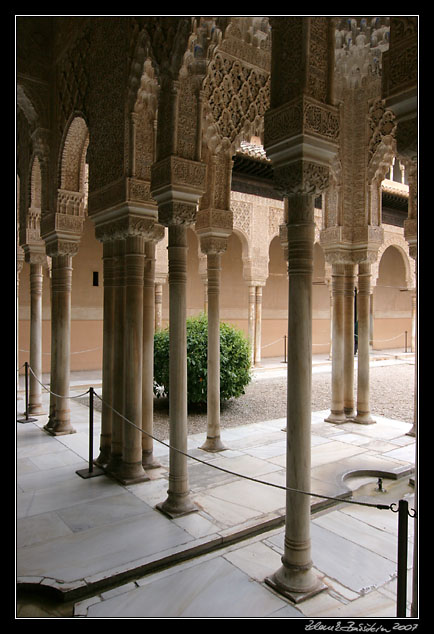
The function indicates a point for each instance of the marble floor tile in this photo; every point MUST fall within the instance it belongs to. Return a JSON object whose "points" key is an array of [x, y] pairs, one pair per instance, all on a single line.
{"points": [[256, 559], [332, 452], [101, 549], [39, 528], [211, 589]]}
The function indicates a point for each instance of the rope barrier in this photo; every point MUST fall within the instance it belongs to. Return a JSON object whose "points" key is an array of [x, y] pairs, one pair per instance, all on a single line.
{"points": [[402, 509], [78, 351], [240, 475], [53, 393]]}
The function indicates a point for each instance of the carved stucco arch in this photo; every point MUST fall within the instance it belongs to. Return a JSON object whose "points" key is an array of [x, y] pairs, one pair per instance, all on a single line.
{"points": [[401, 246], [72, 167]]}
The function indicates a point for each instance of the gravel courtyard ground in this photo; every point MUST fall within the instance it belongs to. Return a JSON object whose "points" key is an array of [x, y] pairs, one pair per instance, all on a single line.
{"points": [[392, 390]]}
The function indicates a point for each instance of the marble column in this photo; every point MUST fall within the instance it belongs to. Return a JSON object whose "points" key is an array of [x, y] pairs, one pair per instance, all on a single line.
{"points": [[61, 293], [118, 356], [251, 321], [158, 306], [149, 312], [363, 415], [296, 578], [107, 359], [337, 414], [17, 323], [130, 469], [35, 388], [178, 501], [213, 440], [258, 324], [53, 389], [348, 373]]}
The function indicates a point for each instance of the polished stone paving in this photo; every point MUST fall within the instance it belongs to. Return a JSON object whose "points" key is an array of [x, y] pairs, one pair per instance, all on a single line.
{"points": [[106, 547]]}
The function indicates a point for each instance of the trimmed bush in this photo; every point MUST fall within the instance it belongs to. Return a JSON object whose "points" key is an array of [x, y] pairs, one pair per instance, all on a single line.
{"points": [[234, 361]]}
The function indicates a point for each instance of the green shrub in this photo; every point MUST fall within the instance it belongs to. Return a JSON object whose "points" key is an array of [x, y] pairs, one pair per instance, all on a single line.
{"points": [[234, 361]]}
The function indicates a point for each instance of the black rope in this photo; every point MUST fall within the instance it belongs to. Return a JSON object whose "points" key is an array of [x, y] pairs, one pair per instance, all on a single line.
{"points": [[239, 475], [250, 478]]}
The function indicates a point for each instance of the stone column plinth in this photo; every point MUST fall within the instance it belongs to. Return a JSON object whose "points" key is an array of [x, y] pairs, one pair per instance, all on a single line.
{"points": [[337, 414], [363, 415]]}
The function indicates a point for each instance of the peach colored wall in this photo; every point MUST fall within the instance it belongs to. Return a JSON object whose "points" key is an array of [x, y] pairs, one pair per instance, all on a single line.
{"points": [[390, 333], [391, 306]]}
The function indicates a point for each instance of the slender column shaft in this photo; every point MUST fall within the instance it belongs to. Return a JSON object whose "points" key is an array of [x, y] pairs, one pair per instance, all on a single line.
{"points": [[414, 432], [158, 306], [331, 322], [61, 287], [213, 441], [53, 389], [337, 406], [258, 324], [131, 469], [118, 355], [251, 321], [107, 357], [178, 501], [296, 577], [35, 396], [363, 301], [348, 374], [148, 357]]}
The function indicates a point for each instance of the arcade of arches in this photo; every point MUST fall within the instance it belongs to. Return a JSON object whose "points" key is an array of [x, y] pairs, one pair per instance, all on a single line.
{"points": [[261, 169]]}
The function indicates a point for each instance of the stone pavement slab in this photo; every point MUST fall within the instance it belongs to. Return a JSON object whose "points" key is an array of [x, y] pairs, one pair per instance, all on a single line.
{"points": [[90, 535]]}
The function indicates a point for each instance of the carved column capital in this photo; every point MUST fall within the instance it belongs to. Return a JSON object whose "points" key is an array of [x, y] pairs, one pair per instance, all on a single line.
{"points": [[177, 185], [125, 220]]}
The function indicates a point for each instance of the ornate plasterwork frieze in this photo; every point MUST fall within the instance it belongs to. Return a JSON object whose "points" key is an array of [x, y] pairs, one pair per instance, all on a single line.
{"points": [[303, 115], [301, 177], [126, 221], [178, 172], [177, 184], [218, 221], [61, 223]]}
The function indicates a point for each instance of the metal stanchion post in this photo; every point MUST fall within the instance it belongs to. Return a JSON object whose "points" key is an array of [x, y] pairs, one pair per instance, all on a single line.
{"points": [[92, 471], [401, 603], [26, 385]]}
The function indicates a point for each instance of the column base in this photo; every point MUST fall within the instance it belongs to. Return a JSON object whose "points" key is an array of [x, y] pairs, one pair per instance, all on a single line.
{"points": [[349, 412], [296, 586], [363, 418], [57, 429], [412, 432], [148, 461], [177, 505], [103, 458], [36, 410], [336, 417], [128, 473], [213, 445]]}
